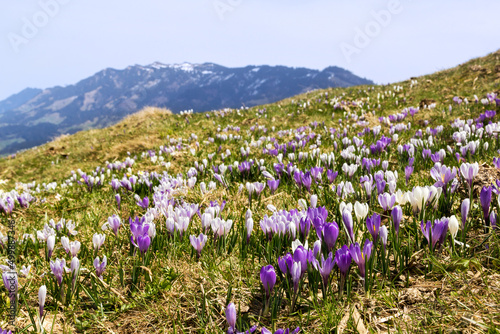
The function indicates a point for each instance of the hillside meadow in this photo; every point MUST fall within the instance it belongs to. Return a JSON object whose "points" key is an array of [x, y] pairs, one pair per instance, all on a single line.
{"points": [[363, 209]]}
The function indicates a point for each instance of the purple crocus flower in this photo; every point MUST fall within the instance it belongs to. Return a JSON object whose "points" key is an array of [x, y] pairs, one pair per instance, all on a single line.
{"points": [[116, 184], [126, 184], [25, 199], [331, 175], [347, 219], [386, 201], [397, 215], [198, 242], [361, 258], [330, 235], [408, 172], [300, 255], [143, 203], [373, 225], [143, 242], [118, 200], [306, 180], [465, 211], [305, 226], [231, 318], [57, 268], [343, 260], [100, 266], [380, 185], [11, 284], [280, 331], [273, 185], [485, 199], [297, 178], [137, 227], [326, 268], [114, 222], [268, 279], [493, 220], [436, 234], [285, 263], [443, 175], [496, 162]]}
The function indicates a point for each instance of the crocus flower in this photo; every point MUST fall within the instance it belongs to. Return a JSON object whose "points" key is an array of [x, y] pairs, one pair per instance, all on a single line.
{"points": [[11, 284], [296, 273], [249, 224], [57, 268], [143, 203], [469, 172], [360, 210], [305, 226], [314, 201], [408, 172], [485, 199], [74, 248], [453, 226], [343, 260], [373, 225], [493, 220], [143, 242], [326, 267], [280, 331], [42, 294], [98, 240], [51, 241], [383, 235], [100, 266], [397, 215], [273, 185], [331, 175], [75, 268], [115, 184], [347, 219], [436, 234], [306, 180], [231, 318], [65, 243], [114, 222], [361, 258], [387, 201], [330, 235], [300, 255], [258, 187], [465, 211], [496, 162], [443, 175], [198, 242], [268, 279], [118, 200], [285, 263]]}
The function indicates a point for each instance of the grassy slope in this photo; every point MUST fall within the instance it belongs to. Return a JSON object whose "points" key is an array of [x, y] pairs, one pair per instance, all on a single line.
{"points": [[435, 302]]}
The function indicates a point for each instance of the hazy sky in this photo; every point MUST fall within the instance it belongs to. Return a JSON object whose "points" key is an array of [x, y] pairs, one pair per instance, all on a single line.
{"points": [[44, 43]]}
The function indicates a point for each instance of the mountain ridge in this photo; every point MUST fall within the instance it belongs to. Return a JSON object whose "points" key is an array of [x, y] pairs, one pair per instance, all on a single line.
{"points": [[35, 116]]}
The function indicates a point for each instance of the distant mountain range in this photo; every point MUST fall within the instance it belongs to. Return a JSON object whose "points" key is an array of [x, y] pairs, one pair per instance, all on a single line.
{"points": [[34, 116]]}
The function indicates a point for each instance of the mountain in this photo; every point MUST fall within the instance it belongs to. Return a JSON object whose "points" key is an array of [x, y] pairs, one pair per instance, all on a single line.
{"points": [[33, 117], [18, 99]]}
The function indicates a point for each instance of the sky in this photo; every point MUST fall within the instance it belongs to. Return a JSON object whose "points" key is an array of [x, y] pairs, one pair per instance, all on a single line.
{"points": [[45, 43]]}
